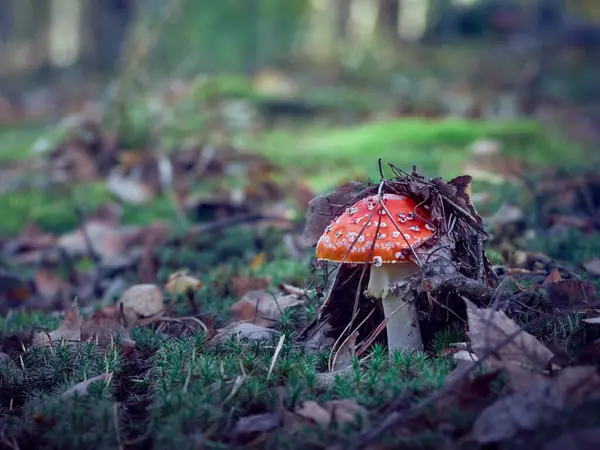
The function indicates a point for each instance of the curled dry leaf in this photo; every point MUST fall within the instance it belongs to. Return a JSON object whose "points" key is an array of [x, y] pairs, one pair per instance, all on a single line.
{"points": [[344, 411], [182, 284], [82, 388], [69, 329], [263, 308], [522, 356], [146, 300]]}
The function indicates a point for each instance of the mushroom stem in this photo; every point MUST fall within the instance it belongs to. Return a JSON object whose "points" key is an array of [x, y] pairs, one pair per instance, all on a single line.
{"points": [[403, 332]]}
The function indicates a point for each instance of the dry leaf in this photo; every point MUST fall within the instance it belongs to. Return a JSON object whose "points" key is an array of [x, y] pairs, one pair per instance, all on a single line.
{"points": [[313, 411], [530, 408], [243, 330], [321, 210], [129, 190], [81, 388], [553, 277], [182, 284], [257, 261], [263, 308], [108, 322], [259, 423], [525, 410], [571, 293], [593, 267], [522, 357], [581, 439], [69, 329], [241, 285], [145, 299], [108, 240], [340, 411]]}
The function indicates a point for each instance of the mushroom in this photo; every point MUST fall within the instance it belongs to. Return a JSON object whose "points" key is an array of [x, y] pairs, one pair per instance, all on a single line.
{"points": [[401, 227]]}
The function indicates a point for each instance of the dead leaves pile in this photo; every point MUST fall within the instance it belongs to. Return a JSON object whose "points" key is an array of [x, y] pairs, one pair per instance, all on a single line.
{"points": [[540, 391]]}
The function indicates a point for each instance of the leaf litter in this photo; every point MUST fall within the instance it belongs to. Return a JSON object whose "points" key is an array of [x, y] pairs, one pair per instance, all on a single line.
{"points": [[538, 389]]}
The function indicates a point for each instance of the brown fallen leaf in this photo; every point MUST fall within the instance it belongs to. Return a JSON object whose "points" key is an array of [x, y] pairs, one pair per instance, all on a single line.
{"points": [[343, 412], [553, 277], [525, 410], [241, 285], [258, 423], [107, 323], [321, 210], [523, 357], [81, 389], [472, 393], [571, 293], [263, 308], [592, 267], [145, 299], [109, 241], [543, 402], [242, 330], [580, 439], [69, 329]]}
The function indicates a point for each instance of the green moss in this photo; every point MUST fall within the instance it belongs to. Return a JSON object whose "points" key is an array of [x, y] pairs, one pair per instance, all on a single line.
{"points": [[433, 145]]}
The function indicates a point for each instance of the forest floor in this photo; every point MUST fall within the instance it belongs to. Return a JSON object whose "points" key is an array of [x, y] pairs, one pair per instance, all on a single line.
{"points": [[198, 312]]}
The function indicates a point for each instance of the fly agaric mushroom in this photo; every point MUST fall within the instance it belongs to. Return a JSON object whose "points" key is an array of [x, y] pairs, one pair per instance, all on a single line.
{"points": [[389, 252]]}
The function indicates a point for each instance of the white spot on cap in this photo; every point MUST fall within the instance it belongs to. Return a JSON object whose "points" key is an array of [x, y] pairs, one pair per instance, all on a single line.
{"points": [[377, 261], [395, 234], [361, 239], [414, 228], [381, 236]]}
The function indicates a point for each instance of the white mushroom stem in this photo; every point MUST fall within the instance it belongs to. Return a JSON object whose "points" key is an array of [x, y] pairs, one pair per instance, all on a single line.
{"points": [[403, 332]]}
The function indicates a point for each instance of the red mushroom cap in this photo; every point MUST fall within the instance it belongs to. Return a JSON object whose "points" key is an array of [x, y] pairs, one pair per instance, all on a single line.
{"points": [[389, 245]]}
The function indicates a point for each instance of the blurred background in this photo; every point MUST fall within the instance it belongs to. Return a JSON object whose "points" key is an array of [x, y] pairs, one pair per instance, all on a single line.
{"points": [[453, 86], [468, 57]]}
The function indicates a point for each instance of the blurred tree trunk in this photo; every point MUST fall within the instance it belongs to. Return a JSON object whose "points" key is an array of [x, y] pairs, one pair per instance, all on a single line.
{"points": [[387, 18], [108, 21], [252, 43], [342, 18], [7, 21]]}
